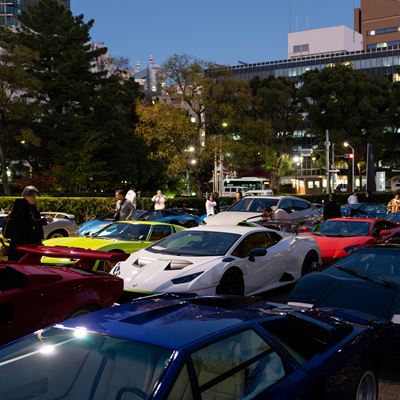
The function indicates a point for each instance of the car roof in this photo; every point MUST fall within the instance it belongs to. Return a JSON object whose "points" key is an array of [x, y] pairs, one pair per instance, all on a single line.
{"points": [[143, 223], [238, 229], [275, 198], [161, 322]]}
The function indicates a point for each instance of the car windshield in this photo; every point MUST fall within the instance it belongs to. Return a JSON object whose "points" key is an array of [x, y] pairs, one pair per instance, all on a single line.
{"points": [[124, 231], [254, 205], [196, 243], [344, 228], [377, 263], [72, 364]]}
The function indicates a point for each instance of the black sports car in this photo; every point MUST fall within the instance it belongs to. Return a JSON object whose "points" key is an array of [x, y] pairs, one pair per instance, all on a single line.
{"points": [[367, 281]]}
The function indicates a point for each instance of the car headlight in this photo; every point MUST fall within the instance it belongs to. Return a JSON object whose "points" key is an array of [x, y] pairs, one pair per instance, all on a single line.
{"points": [[186, 278], [350, 249]]}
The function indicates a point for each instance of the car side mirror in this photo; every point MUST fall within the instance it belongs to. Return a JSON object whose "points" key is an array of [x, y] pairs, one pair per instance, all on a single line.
{"points": [[384, 233], [257, 253]]}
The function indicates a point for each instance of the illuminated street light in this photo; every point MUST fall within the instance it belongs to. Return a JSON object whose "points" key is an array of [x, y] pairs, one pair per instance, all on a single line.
{"points": [[193, 162], [296, 159], [347, 144], [191, 149], [224, 124]]}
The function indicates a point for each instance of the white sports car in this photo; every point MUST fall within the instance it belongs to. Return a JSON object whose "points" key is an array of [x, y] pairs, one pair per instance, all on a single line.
{"points": [[223, 260]]}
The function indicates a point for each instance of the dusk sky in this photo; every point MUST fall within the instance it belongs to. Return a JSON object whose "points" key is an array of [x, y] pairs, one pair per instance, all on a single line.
{"points": [[223, 31]]}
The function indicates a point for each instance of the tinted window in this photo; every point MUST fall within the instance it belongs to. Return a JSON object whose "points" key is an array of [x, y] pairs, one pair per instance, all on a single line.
{"points": [[160, 232], [124, 231], [238, 367], [182, 388], [196, 243], [249, 204], [299, 205], [286, 205], [258, 240], [151, 216], [75, 364], [344, 228]]}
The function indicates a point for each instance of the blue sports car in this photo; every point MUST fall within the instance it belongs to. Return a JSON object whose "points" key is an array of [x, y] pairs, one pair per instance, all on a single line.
{"points": [[209, 348], [171, 216]]}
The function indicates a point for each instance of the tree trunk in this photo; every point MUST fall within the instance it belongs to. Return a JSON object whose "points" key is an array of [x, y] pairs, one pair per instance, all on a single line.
{"points": [[4, 176]]}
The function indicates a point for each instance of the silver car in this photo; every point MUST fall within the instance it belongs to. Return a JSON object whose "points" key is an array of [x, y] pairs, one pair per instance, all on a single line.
{"points": [[294, 209], [63, 224]]}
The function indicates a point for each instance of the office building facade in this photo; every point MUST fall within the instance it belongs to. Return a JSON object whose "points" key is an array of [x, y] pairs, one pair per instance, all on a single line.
{"points": [[11, 10], [379, 23]]}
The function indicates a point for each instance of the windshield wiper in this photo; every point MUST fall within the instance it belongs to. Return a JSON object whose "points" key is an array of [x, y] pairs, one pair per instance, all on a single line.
{"points": [[384, 282]]}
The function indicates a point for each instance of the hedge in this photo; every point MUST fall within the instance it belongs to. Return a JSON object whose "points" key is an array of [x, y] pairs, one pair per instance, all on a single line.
{"points": [[93, 207]]}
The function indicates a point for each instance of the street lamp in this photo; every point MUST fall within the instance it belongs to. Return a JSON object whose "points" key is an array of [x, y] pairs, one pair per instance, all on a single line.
{"points": [[347, 144]]}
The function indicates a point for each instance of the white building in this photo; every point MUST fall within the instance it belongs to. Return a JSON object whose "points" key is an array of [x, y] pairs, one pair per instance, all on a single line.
{"points": [[325, 40]]}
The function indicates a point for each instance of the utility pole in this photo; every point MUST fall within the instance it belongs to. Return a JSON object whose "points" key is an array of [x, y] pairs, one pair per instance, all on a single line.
{"points": [[333, 168], [327, 163]]}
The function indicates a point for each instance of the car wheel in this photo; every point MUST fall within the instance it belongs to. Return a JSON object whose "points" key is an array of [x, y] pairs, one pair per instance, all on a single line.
{"points": [[190, 224], [59, 233], [231, 283], [367, 386], [311, 258]]}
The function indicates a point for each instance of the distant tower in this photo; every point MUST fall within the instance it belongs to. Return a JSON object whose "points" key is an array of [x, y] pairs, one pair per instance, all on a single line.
{"points": [[152, 75], [137, 68]]}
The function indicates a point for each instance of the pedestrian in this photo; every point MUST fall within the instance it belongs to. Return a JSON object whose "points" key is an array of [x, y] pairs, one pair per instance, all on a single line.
{"points": [[132, 197], [394, 204], [216, 200], [24, 224], [353, 199], [238, 197], [159, 200], [210, 205], [332, 208], [368, 196], [124, 208]]}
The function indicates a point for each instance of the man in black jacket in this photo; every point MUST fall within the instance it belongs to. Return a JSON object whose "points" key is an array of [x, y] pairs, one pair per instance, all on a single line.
{"points": [[25, 224], [332, 209]]}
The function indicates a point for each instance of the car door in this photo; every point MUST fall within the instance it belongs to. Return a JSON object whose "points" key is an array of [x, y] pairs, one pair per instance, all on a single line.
{"points": [[261, 271]]}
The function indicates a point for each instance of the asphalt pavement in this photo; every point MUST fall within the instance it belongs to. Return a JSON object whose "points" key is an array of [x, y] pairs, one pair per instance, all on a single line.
{"points": [[389, 383]]}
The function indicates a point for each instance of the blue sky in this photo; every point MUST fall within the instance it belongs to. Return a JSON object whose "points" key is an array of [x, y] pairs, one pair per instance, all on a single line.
{"points": [[223, 31]]}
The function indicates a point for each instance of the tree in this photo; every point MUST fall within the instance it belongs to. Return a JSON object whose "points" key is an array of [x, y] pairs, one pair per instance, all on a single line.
{"points": [[18, 104], [349, 103]]}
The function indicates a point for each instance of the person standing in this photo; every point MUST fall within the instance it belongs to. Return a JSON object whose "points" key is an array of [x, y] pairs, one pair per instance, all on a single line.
{"points": [[132, 197], [216, 199], [124, 208], [24, 223], [332, 208], [159, 200], [368, 197], [353, 199], [210, 205], [394, 204]]}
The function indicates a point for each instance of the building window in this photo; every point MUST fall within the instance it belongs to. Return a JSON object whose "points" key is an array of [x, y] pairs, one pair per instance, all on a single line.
{"points": [[383, 31], [301, 48]]}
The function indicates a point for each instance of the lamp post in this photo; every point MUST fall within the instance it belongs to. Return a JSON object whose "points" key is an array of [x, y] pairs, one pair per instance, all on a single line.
{"points": [[347, 144]]}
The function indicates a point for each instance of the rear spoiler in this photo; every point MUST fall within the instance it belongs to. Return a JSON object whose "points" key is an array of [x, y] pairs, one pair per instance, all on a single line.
{"points": [[86, 258]]}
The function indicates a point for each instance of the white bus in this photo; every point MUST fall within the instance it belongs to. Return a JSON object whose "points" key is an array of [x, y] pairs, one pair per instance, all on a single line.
{"points": [[231, 186]]}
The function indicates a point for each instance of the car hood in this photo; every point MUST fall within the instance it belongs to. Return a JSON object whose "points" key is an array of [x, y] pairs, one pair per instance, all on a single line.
{"points": [[231, 217], [331, 246], [146, 271], [337, 289]]}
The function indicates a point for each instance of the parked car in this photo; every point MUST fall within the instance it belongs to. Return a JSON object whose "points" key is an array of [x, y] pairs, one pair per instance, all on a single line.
{"points": [[264, 192], [253, 206], [169, 348], [171, 216], [223, 260], [339, 237], [394, 217], [33, 296], [367, 280], [63, 224], [364, 210], [94, 225], [123, 236]]}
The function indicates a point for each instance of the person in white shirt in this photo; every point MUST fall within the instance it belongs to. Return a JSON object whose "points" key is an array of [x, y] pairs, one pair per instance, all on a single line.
{"points": [[210, 205], [131, 196], [159, 200], [353, 199]]}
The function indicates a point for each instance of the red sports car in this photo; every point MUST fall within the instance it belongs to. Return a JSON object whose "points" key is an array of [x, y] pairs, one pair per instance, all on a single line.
{"points": [[338, 237], [33, 296]]}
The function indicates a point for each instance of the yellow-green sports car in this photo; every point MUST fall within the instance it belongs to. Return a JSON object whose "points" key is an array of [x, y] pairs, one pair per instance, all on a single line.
{"points": [[123, 236]]}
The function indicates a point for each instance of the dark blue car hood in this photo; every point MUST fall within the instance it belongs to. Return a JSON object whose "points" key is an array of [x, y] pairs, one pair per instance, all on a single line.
{"points": [[337, 289]]}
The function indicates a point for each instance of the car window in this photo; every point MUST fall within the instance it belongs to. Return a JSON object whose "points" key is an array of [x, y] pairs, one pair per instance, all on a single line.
{"points": [[258, 240], [123, 231], [344, 228], [160, 232], [253, 204], [286, 205], [238, 367], [300, 205], [182, 388], [151, 216]]}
